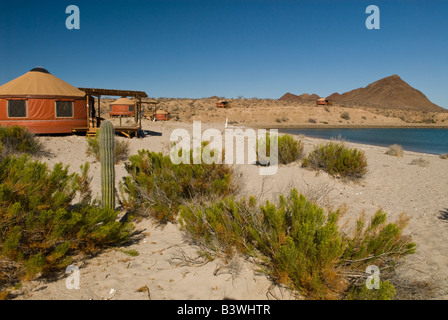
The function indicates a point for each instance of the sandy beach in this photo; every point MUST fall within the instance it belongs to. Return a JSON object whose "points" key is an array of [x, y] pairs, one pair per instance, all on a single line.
{"points": [[168, 267]]}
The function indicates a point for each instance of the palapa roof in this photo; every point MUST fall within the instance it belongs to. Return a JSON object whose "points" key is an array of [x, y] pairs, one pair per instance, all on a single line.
{"points": [[123, 102], [38, 82]]}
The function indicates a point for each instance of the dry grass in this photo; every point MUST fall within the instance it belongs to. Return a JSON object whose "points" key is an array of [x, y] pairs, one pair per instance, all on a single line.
{"points": [[395, 150], [420, 162]]}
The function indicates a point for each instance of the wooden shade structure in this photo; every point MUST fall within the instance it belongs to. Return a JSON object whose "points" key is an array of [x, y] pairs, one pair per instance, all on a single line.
{"points": [[94, 116]]}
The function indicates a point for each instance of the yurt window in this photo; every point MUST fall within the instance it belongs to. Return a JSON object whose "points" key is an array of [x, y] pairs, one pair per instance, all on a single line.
{"points": [[17, 108], [64, 109]]}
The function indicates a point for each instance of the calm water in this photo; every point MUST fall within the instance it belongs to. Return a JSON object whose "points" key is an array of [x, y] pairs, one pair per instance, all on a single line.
{"points": [[425, 140]]}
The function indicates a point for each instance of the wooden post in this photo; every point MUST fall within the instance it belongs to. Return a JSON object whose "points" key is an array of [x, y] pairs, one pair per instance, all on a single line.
{"points": [[139, 130], [135, 110], [99, 106], [88, 110]]}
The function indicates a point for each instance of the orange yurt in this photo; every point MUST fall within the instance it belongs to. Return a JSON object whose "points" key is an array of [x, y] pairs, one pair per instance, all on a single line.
{"points": [[42, 103], [322, 102], [122, 107], [162, 115]]}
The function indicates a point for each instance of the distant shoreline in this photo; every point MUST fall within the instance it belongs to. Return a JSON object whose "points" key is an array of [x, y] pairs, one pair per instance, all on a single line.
{"points": [[354, 126]]}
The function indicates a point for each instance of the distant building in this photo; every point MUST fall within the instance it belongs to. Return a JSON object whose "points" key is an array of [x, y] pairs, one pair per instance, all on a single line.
{"points": [[322, 102], [162, 115], [223, 104], [122, 107]]}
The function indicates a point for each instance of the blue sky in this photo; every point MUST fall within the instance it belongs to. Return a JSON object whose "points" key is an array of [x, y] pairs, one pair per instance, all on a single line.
{"points": [[231, 48]]}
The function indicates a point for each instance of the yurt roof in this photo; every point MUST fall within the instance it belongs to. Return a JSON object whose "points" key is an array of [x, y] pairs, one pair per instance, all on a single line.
{"points": [[161, 112], [39, 82], [123, 102]]}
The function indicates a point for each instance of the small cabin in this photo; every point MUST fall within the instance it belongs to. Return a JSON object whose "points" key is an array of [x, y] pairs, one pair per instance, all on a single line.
{"points": [[223, 104], [322, 102]]}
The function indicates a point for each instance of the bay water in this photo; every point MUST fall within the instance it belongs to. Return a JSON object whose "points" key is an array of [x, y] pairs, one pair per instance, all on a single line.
{"points": [[425, 140]]}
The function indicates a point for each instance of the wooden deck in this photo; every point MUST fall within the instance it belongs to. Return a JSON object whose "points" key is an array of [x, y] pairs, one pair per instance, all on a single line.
{"points": [[125, 130]]}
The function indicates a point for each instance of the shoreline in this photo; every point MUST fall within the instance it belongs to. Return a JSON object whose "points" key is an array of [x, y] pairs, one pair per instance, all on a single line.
{"points": [[355, 126]]}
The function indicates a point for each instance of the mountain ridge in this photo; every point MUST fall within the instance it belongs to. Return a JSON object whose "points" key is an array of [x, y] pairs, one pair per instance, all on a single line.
{"points": [[391, 93]]}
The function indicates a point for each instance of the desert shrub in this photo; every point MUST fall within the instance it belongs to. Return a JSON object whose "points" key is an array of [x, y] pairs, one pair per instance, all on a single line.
{"points": [[40, 227], [421, 162], [311, 120], [296, 242], [289, 149], [338, 160], [156, 187], [444, 156], [121, 148], [17, 140], [395, 150], [345, 115], [378, 242]]}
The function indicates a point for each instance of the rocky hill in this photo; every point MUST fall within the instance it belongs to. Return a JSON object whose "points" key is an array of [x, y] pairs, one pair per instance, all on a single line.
{"points": [[390, 93]]}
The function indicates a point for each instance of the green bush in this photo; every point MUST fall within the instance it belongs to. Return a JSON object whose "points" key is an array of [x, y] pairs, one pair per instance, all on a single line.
{"points": [[296, 242], [289, 149], [121, 148], [17, 140], [345, 115], [156, 187], [40, 227], [337, 160]]}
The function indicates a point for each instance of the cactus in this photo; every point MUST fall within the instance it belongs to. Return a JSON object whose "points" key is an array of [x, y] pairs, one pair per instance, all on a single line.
{"points": [[106, 144]]}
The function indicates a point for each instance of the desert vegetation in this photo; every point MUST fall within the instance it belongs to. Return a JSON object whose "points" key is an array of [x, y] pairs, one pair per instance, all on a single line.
{"points": [[17, 140], [121, 148], [420, 162], [294, 241], [47, 215], [345, 115], [155, 187], [395, 150], [299, 244], [40, 225], [338, 160], [289, 149]]}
